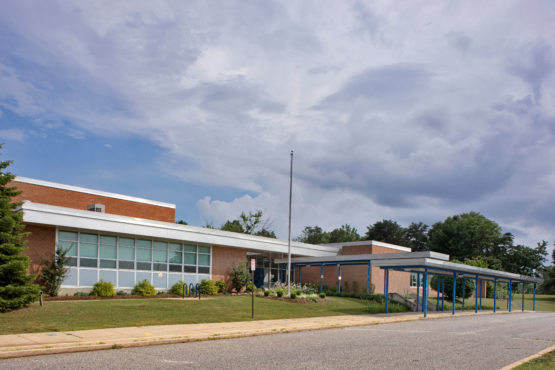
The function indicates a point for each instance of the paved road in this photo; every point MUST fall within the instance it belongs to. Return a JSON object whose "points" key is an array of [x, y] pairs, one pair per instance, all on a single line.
{"points": [[472, 342]]}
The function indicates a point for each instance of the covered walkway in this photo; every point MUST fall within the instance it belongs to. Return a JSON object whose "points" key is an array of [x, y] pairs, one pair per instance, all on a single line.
{"points": [[424, 265]]}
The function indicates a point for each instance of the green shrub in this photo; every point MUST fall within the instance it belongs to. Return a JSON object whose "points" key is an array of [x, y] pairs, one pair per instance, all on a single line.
{"points": [[325, 287], [322, 295], [121, 292], [266, 293], [53, 272], [161, 292], [293, 295], [80, 294], [298, 292], [239, 276], [221, 286], [177, 288], [103, 289], [279, 292], [250, 287], [144, 288], [333, 289], [208, 287]]}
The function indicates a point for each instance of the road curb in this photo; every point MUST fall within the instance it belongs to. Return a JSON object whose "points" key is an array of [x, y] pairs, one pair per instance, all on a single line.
{"points": [[529, 358]]}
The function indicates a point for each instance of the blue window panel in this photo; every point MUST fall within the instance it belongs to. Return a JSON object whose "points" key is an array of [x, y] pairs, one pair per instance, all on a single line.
{"points": [[143, 255], [89, 238], [160, 256], [204, 260], [190, 259], [108, 264], [126, 279], [87, 277], [204, 250], [128, 265], [174, 278], [108, 251], [160, 245], [107, 240], [190, 248], [190, 279], [127, 242], [144, 243], [201, 277], [176, 247], [108, 275], [67, 235], [143, 275], [71, 277], [70, 246], [176, 257], [159, 280], [88, 250], [127, 254]]}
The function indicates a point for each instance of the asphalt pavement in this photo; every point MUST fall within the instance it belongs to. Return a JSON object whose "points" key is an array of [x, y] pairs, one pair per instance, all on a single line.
{"points": [[464, 342]]}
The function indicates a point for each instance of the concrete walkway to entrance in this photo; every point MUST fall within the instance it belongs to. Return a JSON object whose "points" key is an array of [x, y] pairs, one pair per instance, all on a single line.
{"points": [[20, 345]]}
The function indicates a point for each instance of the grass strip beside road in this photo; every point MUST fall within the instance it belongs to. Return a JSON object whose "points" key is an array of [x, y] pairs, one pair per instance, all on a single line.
{"points": [[545, 362], [82, 315]]}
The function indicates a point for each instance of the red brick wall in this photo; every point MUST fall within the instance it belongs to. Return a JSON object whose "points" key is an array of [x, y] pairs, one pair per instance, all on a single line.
{"points": [[222, 260], [77, 200], [41, 245]]}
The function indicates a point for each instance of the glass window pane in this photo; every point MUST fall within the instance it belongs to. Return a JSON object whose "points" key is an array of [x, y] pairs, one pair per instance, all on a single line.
{"points": [[204, 260], [71, 262], [175, 257], [88, 262], [143, 255], [88, 250], [190, 259], [174, 278], [108, 264], [142, 276], [175, 247], [107, 240], [144, 266], [160, 245], [127, 265], [176, 268], [71, 278], [89, 238], [67, 235], [159, 282], [87, 277], [204, 249], [190, 248], [144, 243], [107, 251], [160, 267], [190, 269], [160, 256], [203, 270], [127, 242], [70, 246], [108, 275], [126, 279], [126, 253]]}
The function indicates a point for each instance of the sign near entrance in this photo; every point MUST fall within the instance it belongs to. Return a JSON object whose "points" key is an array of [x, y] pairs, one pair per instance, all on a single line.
{"points": [[253, 264]]}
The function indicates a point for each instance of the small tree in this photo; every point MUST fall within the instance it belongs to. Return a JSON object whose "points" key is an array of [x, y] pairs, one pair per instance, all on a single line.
{"points": [[53, 272], [16, 285], [239, 276]]}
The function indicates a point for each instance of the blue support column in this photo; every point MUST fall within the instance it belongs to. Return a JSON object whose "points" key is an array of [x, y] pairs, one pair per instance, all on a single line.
{"points": [[417, 290], [481, 292], [437, 290], [386, 288], [368, 279], [534, 306], [339, 280], [476, 296], [425, 294], [454, 290], [300, 274], [510, 295], [442, 294], [280, 269], [463, 291], [523, 296], [495, 295], [321, 277]]}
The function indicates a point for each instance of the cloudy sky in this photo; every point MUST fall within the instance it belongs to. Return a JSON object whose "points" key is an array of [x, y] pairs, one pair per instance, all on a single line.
{"points": [[406, 110]]}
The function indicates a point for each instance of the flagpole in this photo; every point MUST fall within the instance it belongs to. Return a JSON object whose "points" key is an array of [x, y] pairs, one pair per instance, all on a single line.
{"points": [[289, 239]]}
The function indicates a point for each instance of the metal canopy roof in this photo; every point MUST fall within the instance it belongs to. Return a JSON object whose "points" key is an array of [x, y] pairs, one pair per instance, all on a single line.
{"points": [[435, 263]]}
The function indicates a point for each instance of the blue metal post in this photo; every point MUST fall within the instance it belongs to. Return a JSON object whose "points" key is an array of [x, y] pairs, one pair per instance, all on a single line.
{"points": [[300, 267], [442, 294], [368, 279], [339, 280], [454, 290], [481, 292], [437, 290], [494, 295], [417, 290], [476, 296], [425, 293], [534, 307], [523, 296], [510, 295], [280, 269], [463, 288], [386, 288], [321, 277]]}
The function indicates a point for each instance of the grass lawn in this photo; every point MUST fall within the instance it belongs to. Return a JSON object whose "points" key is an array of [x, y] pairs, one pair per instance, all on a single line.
{"points": [[79, 315], [546, 361]]}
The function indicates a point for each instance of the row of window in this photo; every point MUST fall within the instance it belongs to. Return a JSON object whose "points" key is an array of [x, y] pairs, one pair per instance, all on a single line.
{"points": [[115, 252]]}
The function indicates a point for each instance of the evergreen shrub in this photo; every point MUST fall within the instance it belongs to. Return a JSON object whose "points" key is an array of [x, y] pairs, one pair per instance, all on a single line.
{"points": [[144, 288], [103, 289], [208, 287]]}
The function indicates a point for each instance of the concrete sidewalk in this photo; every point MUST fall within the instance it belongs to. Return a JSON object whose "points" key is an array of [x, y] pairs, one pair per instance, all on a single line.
{"points": [[20, 345]]}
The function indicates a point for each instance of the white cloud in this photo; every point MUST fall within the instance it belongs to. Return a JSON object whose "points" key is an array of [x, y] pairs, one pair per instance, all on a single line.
{"points": [[406, 111], [13, 134]]}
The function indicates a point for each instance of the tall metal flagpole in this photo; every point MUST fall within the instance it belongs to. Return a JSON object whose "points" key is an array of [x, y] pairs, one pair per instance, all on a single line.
{"points": [[289, 240]]}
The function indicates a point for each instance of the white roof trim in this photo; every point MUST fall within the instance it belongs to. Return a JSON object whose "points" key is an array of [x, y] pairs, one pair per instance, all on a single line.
{"points": [[369, 242], [38, 213], [364, 258], [92, 191]]}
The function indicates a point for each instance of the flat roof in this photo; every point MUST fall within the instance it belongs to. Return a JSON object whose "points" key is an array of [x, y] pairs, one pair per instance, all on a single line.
{"points": [[369, 242], [92, 191], [43, 214], [360, 258]]}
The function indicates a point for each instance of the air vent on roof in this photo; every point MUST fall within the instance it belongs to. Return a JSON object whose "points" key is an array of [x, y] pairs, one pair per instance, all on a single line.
{"points": [[97, 207]]}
